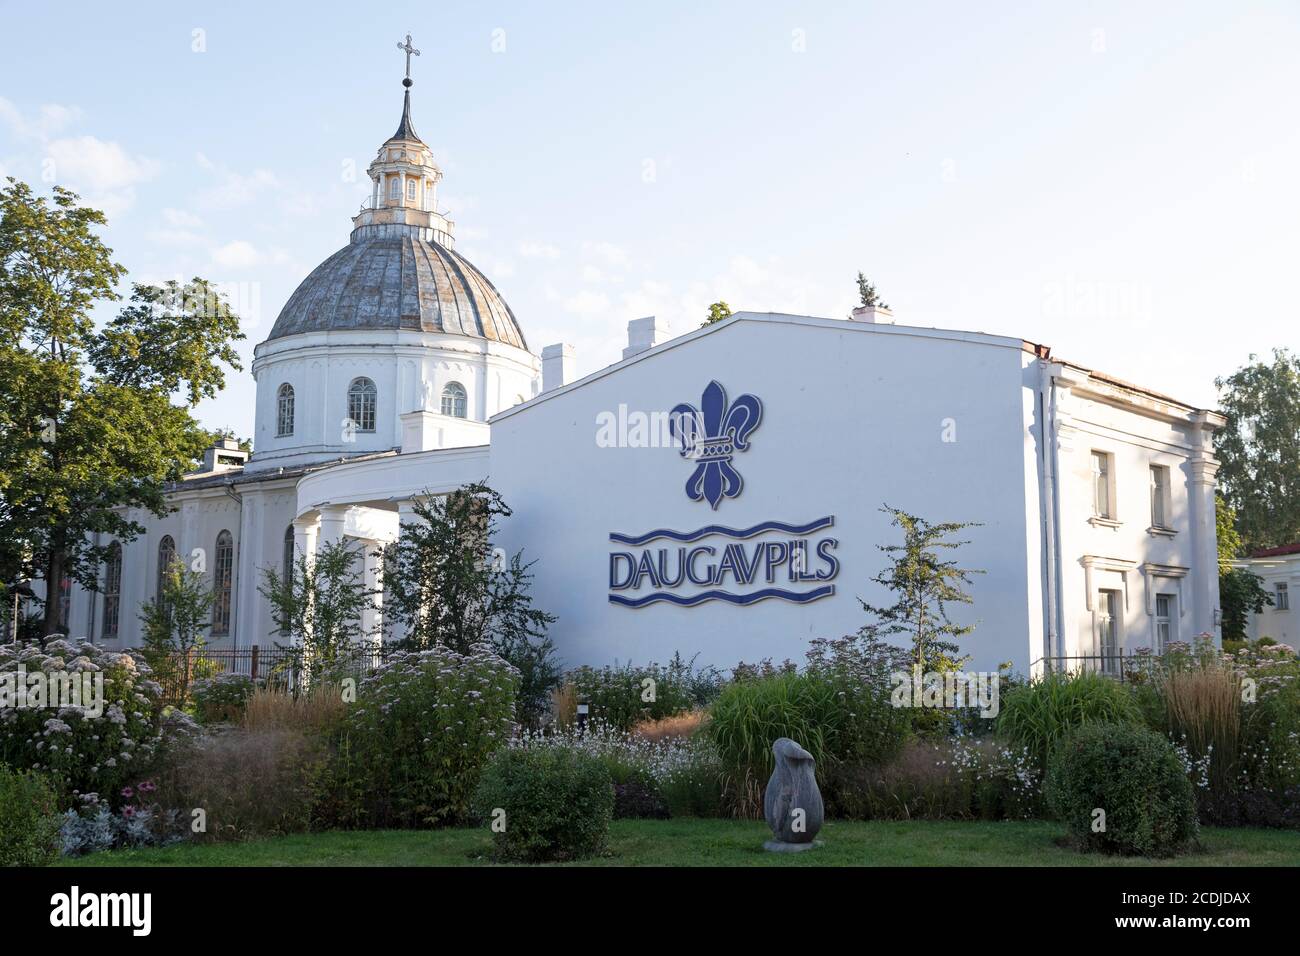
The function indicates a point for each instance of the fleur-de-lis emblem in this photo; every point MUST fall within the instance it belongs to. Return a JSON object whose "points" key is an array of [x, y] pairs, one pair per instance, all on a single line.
{"points": [[710, 435]]}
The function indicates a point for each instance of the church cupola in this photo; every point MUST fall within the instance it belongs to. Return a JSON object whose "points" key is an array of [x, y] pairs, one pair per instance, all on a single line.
{"points": [[404, 182]]}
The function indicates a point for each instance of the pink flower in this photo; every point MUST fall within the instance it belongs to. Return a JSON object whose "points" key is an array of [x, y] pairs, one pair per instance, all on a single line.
{"points": [[128, 793], [128, 812]]}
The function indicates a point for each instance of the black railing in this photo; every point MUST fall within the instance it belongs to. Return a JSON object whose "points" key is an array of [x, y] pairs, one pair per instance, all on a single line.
{"points": [[1119, 665], [281, 666]]}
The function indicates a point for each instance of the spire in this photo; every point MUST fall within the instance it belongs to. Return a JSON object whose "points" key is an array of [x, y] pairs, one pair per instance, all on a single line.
{"points": [[405, 130]]}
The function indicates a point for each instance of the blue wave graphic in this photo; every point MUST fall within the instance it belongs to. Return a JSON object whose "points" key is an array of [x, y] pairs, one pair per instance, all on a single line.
{"points": [[796, 597], [688, 536]]}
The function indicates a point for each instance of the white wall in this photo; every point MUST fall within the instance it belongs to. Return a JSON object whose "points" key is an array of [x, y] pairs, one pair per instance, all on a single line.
{"points": [[853, 417]]}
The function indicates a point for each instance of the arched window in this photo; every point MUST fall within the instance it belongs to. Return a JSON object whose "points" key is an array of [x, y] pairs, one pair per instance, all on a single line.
{"points": [[222, 578], [361, 404], [453, 400], [284, 411], [428, 196], [166, 555], [394, 188], [112, 590], [411, 186], [288, 567]]}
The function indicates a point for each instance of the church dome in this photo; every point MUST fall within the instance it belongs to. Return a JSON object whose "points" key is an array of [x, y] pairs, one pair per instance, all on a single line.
{"points": [[392, 277], [400, 270]]}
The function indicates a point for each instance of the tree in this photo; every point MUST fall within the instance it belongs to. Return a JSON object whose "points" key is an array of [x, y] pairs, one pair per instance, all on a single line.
{"points": [[717, 312], [1259, 448], [174, 623], [446, 584], [1241, 591], [925, 585], [87, 419], [867, 294], [1225, 529], [319, 606]]}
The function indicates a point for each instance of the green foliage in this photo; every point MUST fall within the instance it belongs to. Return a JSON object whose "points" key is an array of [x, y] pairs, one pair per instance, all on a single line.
{"points": [[174, 623], [318, 608], [1259, 449], [1135, 777], [1226, 536], [447, 585], [222, 698], [867, 294], [1040, 714], [557, 804], [79, 750], [624, 695], [717, 312], [831, 713], [413, 745], [90, 428], [1241, 594], [29, 819], [924, 585]]}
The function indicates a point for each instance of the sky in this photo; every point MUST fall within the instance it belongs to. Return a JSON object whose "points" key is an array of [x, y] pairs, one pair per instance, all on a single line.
{"points": [[1115, 180]]}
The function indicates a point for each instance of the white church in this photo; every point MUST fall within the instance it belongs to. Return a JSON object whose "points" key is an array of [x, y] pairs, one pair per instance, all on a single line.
{"points": [[718, 492]]}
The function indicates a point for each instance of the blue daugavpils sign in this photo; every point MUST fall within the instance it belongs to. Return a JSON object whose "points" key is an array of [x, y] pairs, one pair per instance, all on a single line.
{"points": [[715, 563], [769, 560]]}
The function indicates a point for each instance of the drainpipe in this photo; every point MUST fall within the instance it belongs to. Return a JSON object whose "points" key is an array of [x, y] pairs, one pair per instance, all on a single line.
{"points": [[1047, 402]]}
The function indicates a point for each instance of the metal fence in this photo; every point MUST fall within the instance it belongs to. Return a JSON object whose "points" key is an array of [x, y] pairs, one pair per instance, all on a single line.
{"points": [[1124, 667], [280, 666]]}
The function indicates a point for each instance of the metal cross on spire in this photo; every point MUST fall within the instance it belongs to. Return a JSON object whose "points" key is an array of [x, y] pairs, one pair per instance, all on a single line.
{"points": [[409, 51]]}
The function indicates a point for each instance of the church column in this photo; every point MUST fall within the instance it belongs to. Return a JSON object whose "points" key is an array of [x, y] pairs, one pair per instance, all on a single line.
{"points": [[305, 530], [406, 516], [372, 578], [333, 519], [248, 570], [1201, 506]]}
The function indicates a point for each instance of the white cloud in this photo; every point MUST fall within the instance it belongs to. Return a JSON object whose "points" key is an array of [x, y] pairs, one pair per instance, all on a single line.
{"points": [[103, 171], [587, 303], [236, 255], [606, 253], [232, 188], [50, 119], [180, 219], [538, 250]]}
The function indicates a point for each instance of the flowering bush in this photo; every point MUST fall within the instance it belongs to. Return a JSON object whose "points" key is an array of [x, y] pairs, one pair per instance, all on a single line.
{"points": [[82, 752], [222, 697], [678, 774], [958, 779], [139, 821], [413, 746], [625, 695], [29, 821]]}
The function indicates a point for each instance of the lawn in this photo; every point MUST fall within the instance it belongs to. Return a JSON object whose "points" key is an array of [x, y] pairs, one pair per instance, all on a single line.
{"points": [[685, 842]]}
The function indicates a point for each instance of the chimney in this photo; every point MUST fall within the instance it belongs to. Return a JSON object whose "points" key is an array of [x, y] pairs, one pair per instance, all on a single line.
{"points": [[644, 334], [224, 454], [557, 366], [874, 314]]}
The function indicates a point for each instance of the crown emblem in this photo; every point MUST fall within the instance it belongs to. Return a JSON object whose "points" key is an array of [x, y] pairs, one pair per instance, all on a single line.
{"points": [[710, 436]]}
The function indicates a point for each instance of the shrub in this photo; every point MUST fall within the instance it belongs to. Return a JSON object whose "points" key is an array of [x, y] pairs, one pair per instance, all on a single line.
{"points": [[320, 709], [557, 801], [953, 780], [1203, 714], [412, 747], [1040, 714], [1135, 777], [139, 822], [29, 819], [617, 695], [682, 726], [834, 715], [80, 752], [247, 783], [221, 698]]}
